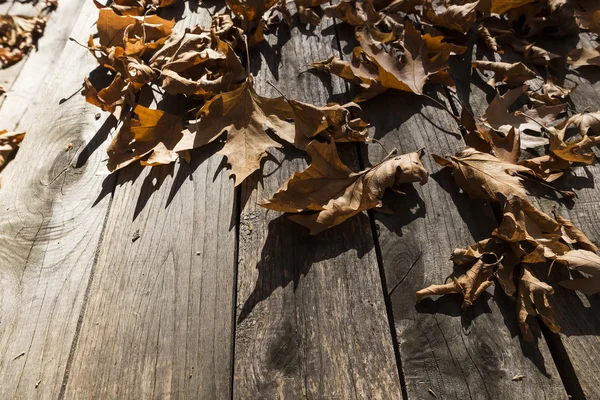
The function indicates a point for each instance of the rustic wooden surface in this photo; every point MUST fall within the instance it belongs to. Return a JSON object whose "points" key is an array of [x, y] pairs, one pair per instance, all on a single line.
{"points": [[51, 220], [311, 318], [218, 299], [576, 348], [161, 307]]}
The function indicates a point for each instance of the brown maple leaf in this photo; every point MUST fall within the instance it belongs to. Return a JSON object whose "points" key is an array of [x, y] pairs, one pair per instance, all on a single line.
{"points": [[241, 113], [354, 12], [485, 176], [154, 133], [330, 192]]}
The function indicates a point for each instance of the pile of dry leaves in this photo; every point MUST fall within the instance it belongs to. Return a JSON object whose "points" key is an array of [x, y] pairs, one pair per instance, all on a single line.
{"points": [[401, 45]]}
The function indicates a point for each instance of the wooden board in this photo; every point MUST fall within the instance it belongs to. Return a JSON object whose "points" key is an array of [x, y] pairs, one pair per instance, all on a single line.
{"points": [[26, 80], [52, 215], [576, 348], [311, 318], [159, 321]]}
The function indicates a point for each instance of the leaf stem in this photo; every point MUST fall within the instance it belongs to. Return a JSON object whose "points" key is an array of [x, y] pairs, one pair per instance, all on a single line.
{"points": [[277, 89], [443, 106]]}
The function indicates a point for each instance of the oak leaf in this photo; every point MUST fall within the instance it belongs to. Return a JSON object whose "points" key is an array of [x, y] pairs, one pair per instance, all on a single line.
{"points": [[485, 176], [576, 235], [532, 299], [241, 113], [586, 262], [332, 121], [330, 192]]}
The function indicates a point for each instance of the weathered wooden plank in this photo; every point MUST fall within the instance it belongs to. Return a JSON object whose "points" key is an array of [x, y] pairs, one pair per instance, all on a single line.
{"points": [[311, 318], [159, 321], [51, 218], [26, 78], [576, 348]]}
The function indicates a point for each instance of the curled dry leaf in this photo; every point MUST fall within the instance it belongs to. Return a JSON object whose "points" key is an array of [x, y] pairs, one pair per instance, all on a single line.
{"points": [[133, 34], [332, 121], [458, 18], [241, 113], [471, 285], [532, 299], [111, 98], [329, 192], [586, 262], [250, 10], [198, 63], [154, 133], [488, 39], [512, 74], [552, 93], [522, 224], [485, 176]]}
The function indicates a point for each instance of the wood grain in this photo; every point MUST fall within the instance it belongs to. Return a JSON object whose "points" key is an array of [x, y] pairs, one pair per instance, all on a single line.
{"points": [[311, 318], [25, 80], [576, 348], [159, 321], [51, 219]]}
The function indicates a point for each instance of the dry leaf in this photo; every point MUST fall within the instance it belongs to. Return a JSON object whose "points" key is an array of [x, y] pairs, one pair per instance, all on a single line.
{"points": [[471, 285], [154, 133], [488, 39], [512, 74], [576, 235], [9, 141], [332, 121], [333, 193], [242, 113], [532, 299], [485, 176], [458, 18], [584, 57], [586, 262], [354, 12]]}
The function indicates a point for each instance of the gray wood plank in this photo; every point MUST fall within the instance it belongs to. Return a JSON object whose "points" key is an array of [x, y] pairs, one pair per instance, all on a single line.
{"points": [[311, 317], [159, 321], [576, 348], [18, 111], [51, 219]]}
